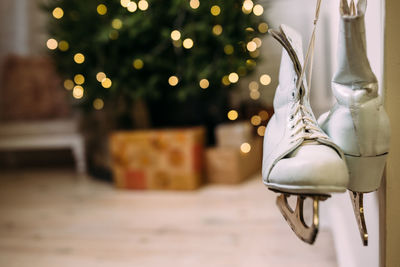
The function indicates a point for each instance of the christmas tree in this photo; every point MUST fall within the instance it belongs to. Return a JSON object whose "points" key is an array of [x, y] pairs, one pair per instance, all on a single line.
{"points": [[164, 52]]}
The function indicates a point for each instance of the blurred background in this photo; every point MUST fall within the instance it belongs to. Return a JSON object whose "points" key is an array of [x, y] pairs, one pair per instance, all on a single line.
{"points": [[131, 134]]}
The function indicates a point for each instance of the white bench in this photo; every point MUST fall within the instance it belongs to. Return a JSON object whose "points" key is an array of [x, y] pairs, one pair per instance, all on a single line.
{"points": [[45, 135]]}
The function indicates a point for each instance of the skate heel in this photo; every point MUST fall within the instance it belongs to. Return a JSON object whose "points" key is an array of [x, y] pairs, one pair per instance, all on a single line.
{"points": [[365, 176], [365, 172]]}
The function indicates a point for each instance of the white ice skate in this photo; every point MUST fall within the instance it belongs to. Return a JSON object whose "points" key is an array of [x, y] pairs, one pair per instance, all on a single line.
{"points": [[357, 123], [299, 158]]}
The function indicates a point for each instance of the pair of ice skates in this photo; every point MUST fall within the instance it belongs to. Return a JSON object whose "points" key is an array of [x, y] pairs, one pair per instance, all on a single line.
{"points": [[346, 148]]}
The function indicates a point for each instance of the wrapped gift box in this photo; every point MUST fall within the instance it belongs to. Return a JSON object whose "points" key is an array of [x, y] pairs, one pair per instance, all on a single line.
{"points": [[229, 165], [233, 134], [158, 159]]}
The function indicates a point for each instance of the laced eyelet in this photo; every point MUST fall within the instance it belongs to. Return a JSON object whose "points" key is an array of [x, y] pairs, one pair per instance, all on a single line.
{"points": [[292, 127], [291, 117]]}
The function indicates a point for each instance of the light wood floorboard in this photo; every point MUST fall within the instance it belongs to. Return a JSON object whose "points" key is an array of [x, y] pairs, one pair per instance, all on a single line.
{"points": [[53, 219]]}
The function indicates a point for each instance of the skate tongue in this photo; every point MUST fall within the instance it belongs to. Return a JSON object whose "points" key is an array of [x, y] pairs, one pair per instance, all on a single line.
{"points": [[291, 41], [282, 38]]}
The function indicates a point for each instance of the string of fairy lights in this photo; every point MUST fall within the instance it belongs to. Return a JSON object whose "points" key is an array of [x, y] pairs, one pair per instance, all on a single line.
{"points": [[76, 83]]}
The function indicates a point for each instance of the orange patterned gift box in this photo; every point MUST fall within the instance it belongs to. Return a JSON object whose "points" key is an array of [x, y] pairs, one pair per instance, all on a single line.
{"points": [[158, 159]]}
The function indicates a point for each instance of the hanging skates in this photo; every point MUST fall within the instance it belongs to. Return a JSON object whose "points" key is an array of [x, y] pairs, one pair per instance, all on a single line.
{"points": [[299, 158], [357, 123]]}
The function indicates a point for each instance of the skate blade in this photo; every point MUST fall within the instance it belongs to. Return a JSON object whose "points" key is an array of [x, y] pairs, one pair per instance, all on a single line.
{"points": [[358, 206], [295, 218]]}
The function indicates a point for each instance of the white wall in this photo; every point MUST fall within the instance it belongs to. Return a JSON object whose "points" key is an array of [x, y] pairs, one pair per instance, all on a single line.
{"points": [[14, 31], [22, 28]]}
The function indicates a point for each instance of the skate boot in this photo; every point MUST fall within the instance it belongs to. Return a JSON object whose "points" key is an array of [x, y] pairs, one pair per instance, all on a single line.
{"points": [[299, 158], [357, 123]]}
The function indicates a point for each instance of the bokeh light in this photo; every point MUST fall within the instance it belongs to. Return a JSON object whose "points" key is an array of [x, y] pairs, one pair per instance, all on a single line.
{"points": [[258, 10], [79, 58], [79, 79], [251, 46], [257, 41], [194, 4], [233, 115], [58, 13], [68, 84], [52, 44], [217, 29], [215, 10], [116, 24], [77, 92], [263, 115], [261, 130], [228, 49], [255, 54], [265, 79], [204, 83], [255, 120], [255, 95], [173, 80], [101, 9], [263, 27], [175, 35], [125, 3], [248, 5], [225, 80], [143, 5], [63, 46], [245, 148], [113, 35], [188, 43], [138, 64], [100, 76], [253, 86], [132, 7], [98, 103], [106, 83], [233, 77]]}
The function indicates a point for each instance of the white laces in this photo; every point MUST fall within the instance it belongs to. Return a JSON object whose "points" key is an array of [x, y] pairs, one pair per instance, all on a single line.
{"points": [[310, 51], [303, 124]]}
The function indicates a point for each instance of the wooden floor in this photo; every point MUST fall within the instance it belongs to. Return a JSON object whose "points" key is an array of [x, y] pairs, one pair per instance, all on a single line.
{"points": [[49, 219]]}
